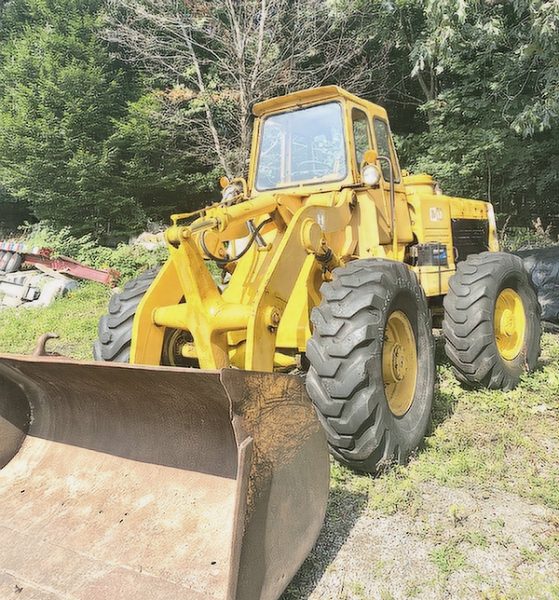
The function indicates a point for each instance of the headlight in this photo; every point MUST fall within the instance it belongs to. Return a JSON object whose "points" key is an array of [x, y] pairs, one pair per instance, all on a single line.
{"points": [[370, 175], [230, 192]]}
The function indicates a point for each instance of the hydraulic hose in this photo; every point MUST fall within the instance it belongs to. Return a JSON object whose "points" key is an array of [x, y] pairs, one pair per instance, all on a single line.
{"points": [[222, 261]]}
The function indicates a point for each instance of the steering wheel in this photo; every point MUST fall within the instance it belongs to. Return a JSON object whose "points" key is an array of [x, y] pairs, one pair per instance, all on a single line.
{"points": [[311, 165]]}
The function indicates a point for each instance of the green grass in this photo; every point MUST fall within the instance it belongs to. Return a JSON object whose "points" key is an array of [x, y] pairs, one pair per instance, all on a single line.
{"points": [[74, 318], [448, 558]]}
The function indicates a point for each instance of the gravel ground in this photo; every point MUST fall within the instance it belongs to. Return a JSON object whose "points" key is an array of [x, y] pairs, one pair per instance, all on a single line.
{"points": [[462, 544], [474, 515]]}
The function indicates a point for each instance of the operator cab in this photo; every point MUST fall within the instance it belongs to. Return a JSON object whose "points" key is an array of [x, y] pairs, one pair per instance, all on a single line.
{"points": [[318, 139]]}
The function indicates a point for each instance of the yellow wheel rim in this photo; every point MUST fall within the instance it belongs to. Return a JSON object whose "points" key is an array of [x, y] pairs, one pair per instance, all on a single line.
{"points": [[509, 324], [399, 363]]}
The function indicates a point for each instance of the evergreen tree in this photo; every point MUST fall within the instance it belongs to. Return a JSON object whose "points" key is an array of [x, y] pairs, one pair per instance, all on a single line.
{"points": [[60, 96]]}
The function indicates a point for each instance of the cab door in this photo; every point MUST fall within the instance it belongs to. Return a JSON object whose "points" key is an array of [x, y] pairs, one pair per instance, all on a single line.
{"points": [[384, 145], [374, 216]]}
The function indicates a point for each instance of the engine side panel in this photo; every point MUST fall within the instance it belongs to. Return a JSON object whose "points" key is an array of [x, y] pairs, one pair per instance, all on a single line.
{"points": [[460, 226], [469, 236]]}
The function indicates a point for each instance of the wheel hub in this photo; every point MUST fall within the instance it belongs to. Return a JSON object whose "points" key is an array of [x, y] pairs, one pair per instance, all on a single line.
{"points": [[509, 324], [399, 363], [179, 350]]}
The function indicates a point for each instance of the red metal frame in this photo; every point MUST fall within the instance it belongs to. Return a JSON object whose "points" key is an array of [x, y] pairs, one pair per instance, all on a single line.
{"points": [[63, 264], [69, 266]]}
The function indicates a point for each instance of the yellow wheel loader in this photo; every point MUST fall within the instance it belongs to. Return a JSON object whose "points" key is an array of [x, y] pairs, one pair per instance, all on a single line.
{"points": [[200, 468]]}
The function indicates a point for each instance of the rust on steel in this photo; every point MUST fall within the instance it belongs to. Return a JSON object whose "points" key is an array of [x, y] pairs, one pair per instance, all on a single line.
{"points": [[133, 482]]}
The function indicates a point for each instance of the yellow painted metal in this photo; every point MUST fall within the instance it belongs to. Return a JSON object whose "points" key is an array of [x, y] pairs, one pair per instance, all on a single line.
{"points": [[147, 338], [509, 323], [276, 285], [204, 313], [261, 320], [431, 217], [420, 183], [399, 363], [294, 329], [493, 235], [313, 96]]}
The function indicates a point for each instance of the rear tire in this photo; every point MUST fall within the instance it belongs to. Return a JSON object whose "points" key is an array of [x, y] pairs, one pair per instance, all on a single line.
{"points": [[374, 406], [4, 259], [492, 321]]}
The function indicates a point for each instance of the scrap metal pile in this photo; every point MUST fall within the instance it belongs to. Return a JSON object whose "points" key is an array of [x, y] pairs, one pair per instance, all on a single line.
{"points": [[35, 276]]}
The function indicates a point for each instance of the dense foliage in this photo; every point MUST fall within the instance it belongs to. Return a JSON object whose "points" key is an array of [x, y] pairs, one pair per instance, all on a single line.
{"points": [[113, 114], [79, 145], [60, 95], [489, 111]]}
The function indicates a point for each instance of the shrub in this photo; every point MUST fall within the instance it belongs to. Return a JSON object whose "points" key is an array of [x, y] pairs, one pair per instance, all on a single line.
{"points": [[128, 260], [523, 238]]}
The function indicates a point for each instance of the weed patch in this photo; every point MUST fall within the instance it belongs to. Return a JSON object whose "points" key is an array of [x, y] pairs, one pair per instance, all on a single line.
{"points": [[448, 558], [74, 318]]}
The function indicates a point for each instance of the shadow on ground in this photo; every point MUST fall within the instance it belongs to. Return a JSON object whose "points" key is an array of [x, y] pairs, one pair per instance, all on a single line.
{"points": [[344, 508], [441, 358], [444, 405], [444, 402]]}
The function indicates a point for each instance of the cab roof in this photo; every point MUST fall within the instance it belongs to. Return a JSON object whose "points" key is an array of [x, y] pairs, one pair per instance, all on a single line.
{"points": [[310, 96]]}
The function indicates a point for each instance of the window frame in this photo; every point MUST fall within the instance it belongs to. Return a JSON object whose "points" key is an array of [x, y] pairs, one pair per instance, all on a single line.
{"points": [[309, 182], [393, 157], [367, 120]]}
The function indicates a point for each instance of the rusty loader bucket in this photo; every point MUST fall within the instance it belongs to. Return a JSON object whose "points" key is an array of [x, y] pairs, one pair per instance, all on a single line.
{"points": [[130, 482]]}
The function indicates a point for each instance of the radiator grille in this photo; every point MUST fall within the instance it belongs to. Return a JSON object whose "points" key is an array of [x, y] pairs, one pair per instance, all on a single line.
{"points": [[469, 236]]}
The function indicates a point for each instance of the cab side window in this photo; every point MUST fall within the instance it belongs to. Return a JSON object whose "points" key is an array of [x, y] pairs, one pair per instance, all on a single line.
{"points": [[361, 134], [384, 148]]}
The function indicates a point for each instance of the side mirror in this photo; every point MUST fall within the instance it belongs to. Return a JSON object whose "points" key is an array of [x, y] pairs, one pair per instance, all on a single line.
{"points": [[370, 173]]}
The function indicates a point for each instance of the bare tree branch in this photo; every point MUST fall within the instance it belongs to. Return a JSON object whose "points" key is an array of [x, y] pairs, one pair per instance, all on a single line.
{"points": [[230, 54]]}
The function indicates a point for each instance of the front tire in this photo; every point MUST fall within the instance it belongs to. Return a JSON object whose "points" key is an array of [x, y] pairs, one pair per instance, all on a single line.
{"points": [[492, 321], [372, 365], [14, 264], [115, 328]]}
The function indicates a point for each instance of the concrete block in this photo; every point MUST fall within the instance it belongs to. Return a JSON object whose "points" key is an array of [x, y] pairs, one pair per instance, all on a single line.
{"points": [[55, 288], [11, 302]]}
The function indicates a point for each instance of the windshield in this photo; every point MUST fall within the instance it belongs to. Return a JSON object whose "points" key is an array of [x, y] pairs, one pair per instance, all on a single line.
{"points": [[302, 146]]}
